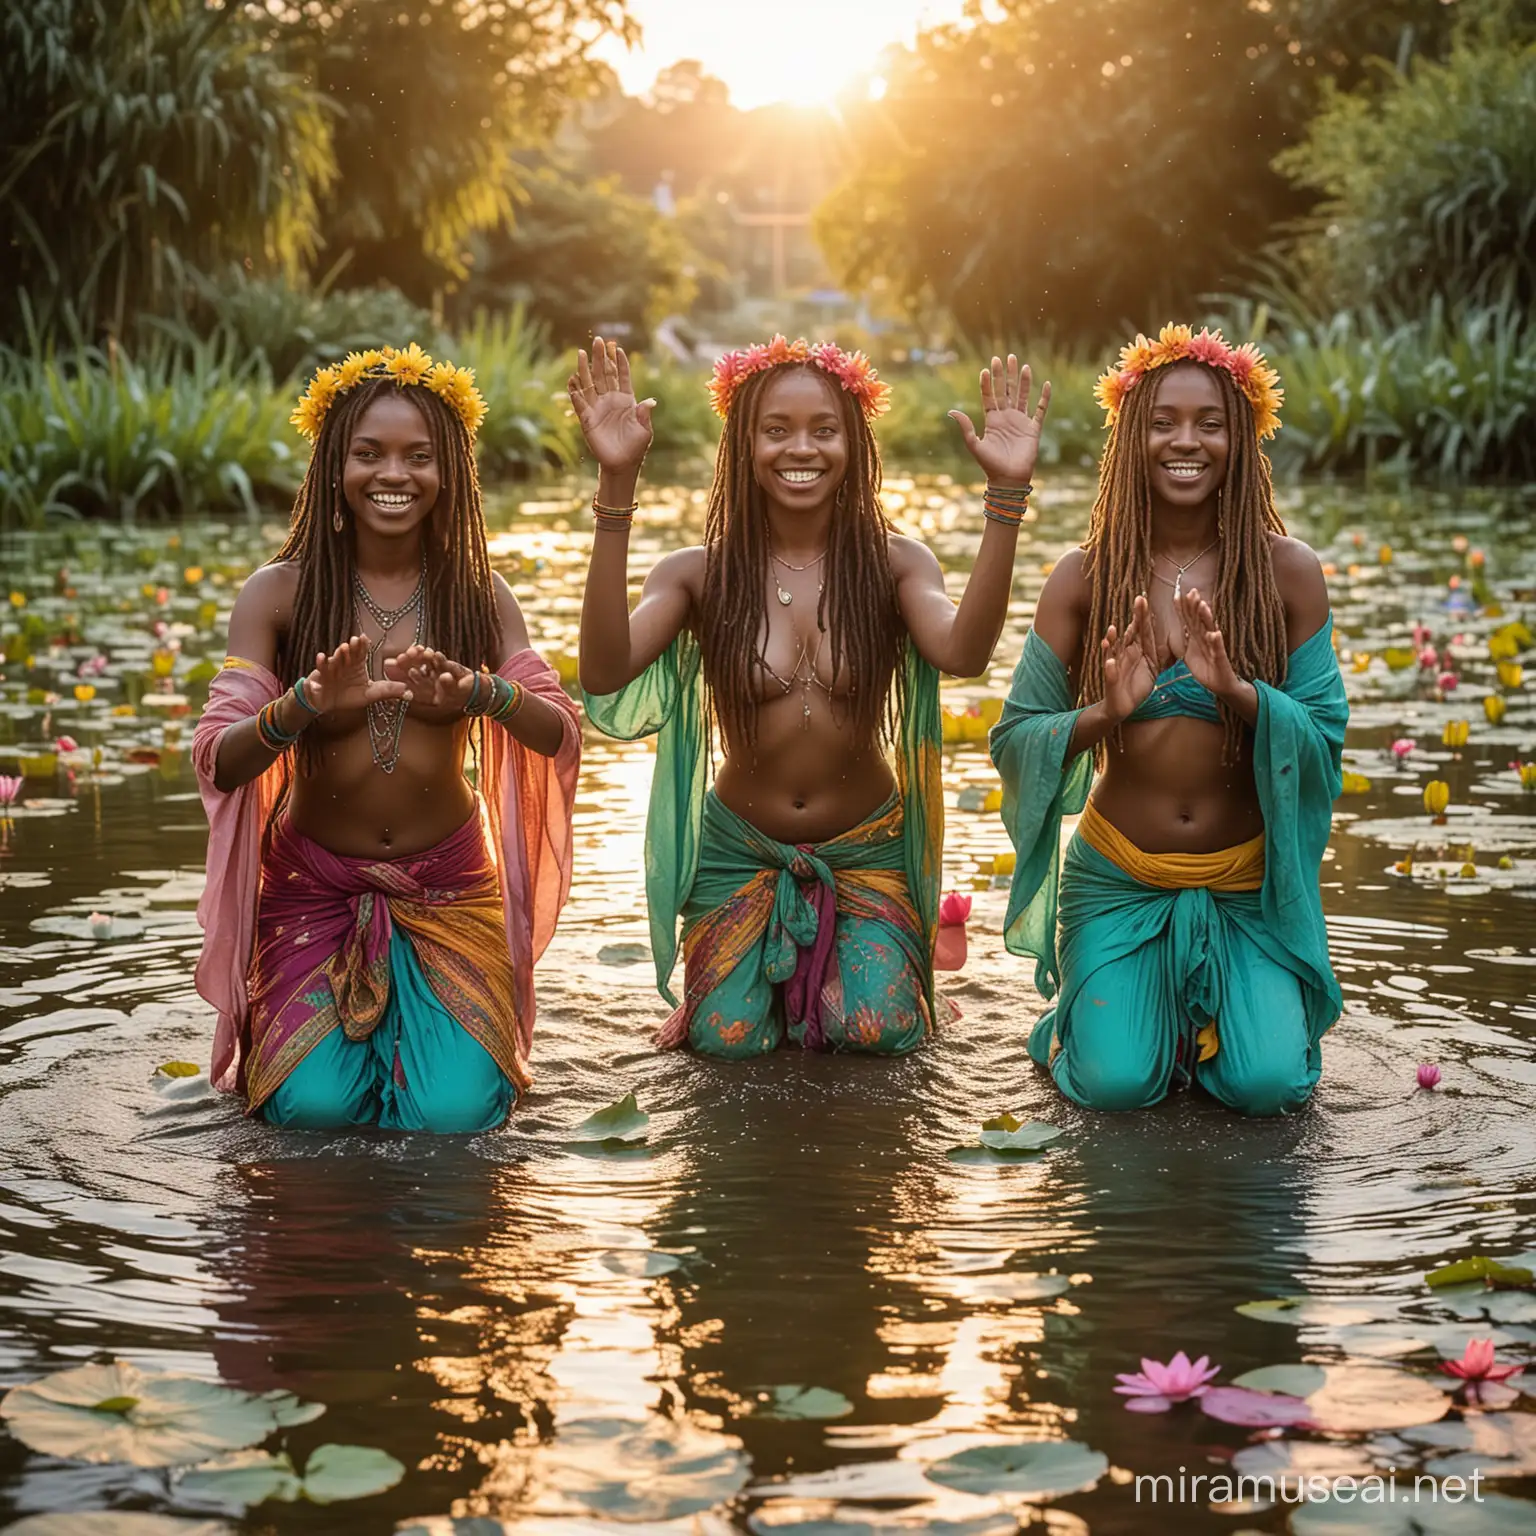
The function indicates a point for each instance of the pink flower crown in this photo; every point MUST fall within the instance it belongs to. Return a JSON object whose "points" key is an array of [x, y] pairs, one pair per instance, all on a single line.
{"points": [[851, 369], [1259, 382]]}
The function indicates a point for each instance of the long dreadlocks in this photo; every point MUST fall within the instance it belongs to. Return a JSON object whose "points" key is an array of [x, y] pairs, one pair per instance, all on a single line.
{"points": [[857, 607], [460, 617], [1246, 602]]}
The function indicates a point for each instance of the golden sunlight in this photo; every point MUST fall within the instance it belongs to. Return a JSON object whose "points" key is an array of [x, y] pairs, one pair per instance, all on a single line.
{"points": [[800, 51]]}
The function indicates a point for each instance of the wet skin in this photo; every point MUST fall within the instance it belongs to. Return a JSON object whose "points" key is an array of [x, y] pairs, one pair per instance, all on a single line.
{"points": [[344, 801], [1166, 787]]}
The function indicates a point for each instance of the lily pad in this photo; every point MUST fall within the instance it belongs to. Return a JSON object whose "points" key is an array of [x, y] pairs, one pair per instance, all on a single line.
{"points": [[1012, 1286], [114, 1522], [1295, 1380], [621, 1122], [178, 1069], [1243, 1405], [1364, 1397], [1033, 1467], [1514, 1276], [1294, 1459], [764, 1524], [1005, 1134], [797, 1402], [992, 1156], [623, 954], [334, 1472], [640, 1263], [1498, 1444], [1492, 1515], [168, 1420], [1303, 1311]]}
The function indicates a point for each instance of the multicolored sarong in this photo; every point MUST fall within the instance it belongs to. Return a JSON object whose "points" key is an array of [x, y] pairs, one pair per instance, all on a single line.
{"points": [[821, 941], [340, 945], [1166, 964], [697, 860]]}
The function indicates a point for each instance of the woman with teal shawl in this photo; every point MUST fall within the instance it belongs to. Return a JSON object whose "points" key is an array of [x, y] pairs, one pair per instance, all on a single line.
{"points": [[805, 638], [1181, 936]]}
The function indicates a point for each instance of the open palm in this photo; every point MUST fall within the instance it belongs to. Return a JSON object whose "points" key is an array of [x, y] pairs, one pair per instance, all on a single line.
{"points": [[341, 680], [1204, 645], [1010, 432], [616, 426], [1130, 673]]}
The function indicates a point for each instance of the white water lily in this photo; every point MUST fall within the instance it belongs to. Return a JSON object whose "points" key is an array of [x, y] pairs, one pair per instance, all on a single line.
{"points": [[117, 1412]]}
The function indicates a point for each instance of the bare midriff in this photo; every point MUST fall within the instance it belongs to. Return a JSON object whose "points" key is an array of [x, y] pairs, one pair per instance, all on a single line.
{"points": [[804, 781], [1168, 790], [349, 805]]}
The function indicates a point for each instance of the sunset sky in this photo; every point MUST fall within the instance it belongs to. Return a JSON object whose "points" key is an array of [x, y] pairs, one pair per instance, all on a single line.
{"points": [[772, 50]]}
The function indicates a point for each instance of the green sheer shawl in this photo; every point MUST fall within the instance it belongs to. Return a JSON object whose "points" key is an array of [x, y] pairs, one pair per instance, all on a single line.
{"points": [[667, 701]]}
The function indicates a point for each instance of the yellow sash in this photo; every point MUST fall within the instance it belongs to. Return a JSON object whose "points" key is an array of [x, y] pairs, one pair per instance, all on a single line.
{"points": [[1229, 869]]}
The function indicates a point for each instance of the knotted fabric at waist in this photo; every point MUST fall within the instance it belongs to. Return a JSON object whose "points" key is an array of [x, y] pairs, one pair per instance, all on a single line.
{"points": [[1240, 868]]}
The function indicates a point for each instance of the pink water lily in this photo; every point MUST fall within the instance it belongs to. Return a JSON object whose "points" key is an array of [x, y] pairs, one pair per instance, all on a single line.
{"points": [[1421, 635], [10, 788], [1429, 1074], [66, 744], [1402, 747], [949, 947], [1155, 1388], [1429, 658], [1477, 1364], [1447, 682], [955, 908]]}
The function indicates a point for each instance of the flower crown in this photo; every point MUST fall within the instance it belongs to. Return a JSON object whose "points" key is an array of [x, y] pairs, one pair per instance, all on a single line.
{"points": [[1178, 343], [412, 366], [851, 369]]}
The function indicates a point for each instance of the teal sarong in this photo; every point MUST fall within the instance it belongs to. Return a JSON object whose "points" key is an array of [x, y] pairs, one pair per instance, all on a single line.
{"points": [[694, 849], [1140, 969]]}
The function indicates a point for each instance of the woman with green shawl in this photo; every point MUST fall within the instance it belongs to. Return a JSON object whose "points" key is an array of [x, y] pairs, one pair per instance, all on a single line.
{"points": [[806, 638], [1185, 651]]}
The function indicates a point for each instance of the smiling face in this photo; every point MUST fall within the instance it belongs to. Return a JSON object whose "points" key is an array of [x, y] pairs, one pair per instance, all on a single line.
{"points": [[1188, 438], [391, 479], [800, 442]]}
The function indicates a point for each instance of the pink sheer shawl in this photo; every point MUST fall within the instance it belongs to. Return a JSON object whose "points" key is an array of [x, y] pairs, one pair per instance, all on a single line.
{"points": [[528, 800]]}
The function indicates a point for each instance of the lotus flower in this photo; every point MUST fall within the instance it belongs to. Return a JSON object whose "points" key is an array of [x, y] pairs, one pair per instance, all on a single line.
{"points": [[1429, 658], [66, 744], [1421, 635], [1155, 1388], [10, 788], [101, 925], [1402, 747], [949, 948], [93, 666], [1429, 1074], [1446, 682], [1477, 1364]]}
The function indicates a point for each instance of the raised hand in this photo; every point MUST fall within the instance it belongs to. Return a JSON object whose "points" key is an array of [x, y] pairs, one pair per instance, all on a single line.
{"points": [[434, 680], [1204, 647], [1010, 440], [341, 680], [617, 427], [1130, 673]]}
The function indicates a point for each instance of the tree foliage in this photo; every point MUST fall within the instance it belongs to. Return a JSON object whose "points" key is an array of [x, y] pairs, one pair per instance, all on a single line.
{"points": [[1080, 167], [434, 100], [140, 134], [1456, 215]]}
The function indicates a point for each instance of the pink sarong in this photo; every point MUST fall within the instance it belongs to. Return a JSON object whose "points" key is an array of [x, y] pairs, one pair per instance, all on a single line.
{"points": [[527, 800]]}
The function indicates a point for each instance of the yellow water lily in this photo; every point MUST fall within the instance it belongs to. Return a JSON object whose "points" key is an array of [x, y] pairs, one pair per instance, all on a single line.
{"points": [[1003, 863], [1400, 656], [1527, 772], [84, 692], [1437, 795], [1511, 674], [1384, 554], [1494, 707], [1355, 783], [1455, 733], [192, 575], [1361, 661], [18, 599]]}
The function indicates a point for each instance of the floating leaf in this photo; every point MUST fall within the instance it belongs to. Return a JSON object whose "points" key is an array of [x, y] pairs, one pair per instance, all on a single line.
{"points": [[1040, 1466], [114, 1522], [623, 954], [1243, 1405], [178, 1069], [336, 1472], [172, 1419], [640, 1263], [624, 1121], [1497, 1444], [1299, 1311], [1478, 1267], [1294, 1380], [1362, 1397], [1018, 1138], [1410, 1514], [992, 1155], [797, 1402]]}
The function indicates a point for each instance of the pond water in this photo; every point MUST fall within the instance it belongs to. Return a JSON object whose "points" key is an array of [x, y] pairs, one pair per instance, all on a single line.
{"points": [[551, 1335]]}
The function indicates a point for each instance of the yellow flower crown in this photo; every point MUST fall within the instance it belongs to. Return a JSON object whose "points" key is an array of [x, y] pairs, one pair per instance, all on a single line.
{"points": [[412, 366], [1259, 382]]}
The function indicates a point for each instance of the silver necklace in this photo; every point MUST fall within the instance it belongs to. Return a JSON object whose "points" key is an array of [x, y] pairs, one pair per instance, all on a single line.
{"points": [[806, 682], [1178, 581], [386, 717], [787, 597]]}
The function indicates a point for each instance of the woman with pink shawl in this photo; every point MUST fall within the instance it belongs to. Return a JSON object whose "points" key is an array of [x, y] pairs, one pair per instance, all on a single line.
{"points": [[371, 920]]}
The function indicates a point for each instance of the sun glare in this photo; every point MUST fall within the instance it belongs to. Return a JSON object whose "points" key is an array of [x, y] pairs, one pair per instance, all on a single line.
{"points": [[806, 52]]}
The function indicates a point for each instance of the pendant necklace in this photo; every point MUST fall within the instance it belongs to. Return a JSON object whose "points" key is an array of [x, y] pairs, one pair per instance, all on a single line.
{"points": [[787, 597], [386, 717], [806, 682], [1178, 581]]}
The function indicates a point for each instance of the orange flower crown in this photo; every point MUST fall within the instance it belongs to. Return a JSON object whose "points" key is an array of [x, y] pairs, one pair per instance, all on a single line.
{"points": [[412, 366], [852, 370], [1179, 343]]}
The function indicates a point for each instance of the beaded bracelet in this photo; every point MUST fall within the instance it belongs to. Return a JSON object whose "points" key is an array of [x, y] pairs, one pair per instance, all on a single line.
{"points": [[511, 701], [615, 518], [273, 737]]}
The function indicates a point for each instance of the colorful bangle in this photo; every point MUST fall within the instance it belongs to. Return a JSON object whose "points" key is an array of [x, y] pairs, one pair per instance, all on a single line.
{"points": [[273, 737], [510, 702], [613, 518], [472, 705], [1006, 504], [303, 698]]}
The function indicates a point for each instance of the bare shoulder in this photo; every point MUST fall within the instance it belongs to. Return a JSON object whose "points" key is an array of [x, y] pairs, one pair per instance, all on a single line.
{"points": [[682, 569], [1063, 608], [269, 591], [911, 557], [1303, 588], [509, 613]]}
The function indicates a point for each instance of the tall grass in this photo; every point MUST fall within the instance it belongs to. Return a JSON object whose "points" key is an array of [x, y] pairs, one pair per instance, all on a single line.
{"points": [[529, 426], [174, 430]]}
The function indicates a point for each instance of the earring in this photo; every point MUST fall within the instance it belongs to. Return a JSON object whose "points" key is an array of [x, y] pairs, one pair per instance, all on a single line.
{"points": [[336, 521]]}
